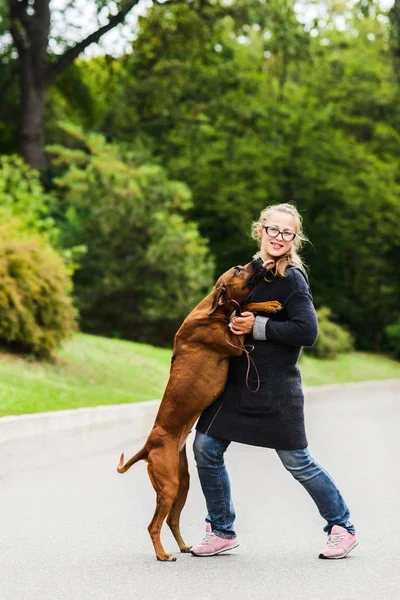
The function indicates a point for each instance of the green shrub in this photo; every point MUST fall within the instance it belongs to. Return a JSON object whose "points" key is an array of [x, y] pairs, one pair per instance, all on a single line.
{"points": [[333, 339], [36, 312], [22, 195], [146, 265], [392, 333]]}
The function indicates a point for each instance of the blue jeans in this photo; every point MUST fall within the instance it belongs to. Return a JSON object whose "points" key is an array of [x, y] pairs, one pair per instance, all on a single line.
{"points": [[214, 479]]}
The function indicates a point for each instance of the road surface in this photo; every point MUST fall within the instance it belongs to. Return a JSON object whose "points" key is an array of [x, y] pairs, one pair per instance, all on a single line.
{"points": [[77, 530]]}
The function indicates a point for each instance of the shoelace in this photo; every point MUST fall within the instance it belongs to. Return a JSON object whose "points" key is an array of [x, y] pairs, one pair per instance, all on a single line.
{"points": [[205, 540], [334, 539]]}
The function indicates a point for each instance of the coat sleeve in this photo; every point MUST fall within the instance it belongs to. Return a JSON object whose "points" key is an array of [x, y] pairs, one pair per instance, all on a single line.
{"points": [[301, 327]]}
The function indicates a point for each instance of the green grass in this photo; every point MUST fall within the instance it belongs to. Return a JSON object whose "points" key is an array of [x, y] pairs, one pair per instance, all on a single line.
{"points": [[355, 366], [91, 371]]}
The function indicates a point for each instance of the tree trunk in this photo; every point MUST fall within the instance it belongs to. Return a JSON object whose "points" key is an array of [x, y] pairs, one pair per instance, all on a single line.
{"points": [[30, 27], [33, 98]]}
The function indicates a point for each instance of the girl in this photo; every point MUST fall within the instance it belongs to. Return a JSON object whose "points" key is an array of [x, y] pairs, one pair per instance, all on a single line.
{"points": [[273, 416]]}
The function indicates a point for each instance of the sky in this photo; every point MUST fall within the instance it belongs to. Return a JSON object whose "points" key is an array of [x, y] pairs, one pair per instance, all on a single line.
{"points": [[114, 42]]}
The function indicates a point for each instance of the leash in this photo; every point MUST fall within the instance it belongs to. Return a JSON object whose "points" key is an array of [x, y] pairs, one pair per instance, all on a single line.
{"points": [[247, 348]]}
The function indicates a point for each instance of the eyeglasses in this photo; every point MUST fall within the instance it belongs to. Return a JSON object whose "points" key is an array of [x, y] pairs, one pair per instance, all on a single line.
{"points": [[274, 232]]}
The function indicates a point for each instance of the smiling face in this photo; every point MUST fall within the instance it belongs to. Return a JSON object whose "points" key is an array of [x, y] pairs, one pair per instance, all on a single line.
{"points": [[274, 247]]}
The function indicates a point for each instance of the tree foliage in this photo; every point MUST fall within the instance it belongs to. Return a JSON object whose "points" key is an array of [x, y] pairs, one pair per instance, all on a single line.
{"points": [[146, 265], [394, 15], [22, 194], [259, 111], [246, 105]]}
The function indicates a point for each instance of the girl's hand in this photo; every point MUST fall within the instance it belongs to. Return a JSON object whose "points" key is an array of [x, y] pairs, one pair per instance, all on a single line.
{"points": [[243, 324]]}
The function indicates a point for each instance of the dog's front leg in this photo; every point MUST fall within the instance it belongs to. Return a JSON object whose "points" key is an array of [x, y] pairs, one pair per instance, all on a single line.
{"points": [[271, 306]]}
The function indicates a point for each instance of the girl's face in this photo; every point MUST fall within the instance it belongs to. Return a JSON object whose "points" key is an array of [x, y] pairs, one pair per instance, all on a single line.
{"points": [[272, 245]]}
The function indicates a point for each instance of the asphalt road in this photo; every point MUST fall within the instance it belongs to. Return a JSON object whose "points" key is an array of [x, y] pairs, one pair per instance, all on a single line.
{"points": [[77, 530]]}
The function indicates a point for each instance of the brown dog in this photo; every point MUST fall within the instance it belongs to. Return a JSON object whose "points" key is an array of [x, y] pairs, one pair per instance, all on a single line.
{"points": [[199, 370]]}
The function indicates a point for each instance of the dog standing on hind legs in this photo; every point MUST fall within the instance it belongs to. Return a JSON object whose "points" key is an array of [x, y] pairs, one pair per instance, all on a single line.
{"points": [[199, 369]]}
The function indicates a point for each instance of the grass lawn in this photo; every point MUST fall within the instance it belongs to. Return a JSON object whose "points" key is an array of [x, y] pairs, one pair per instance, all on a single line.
{"points": [[93, 370], [355, 366]]}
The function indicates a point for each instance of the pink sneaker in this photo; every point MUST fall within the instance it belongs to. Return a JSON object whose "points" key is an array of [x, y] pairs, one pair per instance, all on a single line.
{"points": [[340, 543], [213, 544]]}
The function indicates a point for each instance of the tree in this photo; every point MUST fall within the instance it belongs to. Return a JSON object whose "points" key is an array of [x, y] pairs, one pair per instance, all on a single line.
{"points": [[30, 28], [40, 63], [206, 99], [246, 120]]}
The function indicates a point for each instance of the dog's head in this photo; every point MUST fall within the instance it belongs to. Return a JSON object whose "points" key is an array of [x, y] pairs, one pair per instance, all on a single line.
{"points": [[234, 285]]}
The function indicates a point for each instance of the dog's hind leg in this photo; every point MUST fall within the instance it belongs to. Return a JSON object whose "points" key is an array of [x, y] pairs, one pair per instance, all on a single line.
{"points": [[165, 479], [180, 500]]}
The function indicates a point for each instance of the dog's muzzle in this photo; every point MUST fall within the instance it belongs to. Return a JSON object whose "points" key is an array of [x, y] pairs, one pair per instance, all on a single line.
{"points": [[259, 270]]}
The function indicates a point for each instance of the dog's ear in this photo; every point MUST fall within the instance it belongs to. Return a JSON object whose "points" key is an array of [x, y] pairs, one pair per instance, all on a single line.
{"points": [[218, 298]]}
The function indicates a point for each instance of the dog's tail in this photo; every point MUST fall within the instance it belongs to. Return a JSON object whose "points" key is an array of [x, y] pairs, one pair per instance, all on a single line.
{"points": [[122, 468]]}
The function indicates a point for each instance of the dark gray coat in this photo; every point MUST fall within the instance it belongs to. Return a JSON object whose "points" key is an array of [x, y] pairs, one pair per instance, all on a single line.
{"points": [[273, 417]]}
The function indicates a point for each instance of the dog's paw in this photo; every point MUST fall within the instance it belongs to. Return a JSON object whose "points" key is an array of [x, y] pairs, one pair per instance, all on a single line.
{"points": [[167, 558], [275, 306], [186, 549]]}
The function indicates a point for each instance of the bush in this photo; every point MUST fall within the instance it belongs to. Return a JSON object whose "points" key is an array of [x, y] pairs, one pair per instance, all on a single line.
{"points": [[36, 313], [333, 339], [392, 333]]}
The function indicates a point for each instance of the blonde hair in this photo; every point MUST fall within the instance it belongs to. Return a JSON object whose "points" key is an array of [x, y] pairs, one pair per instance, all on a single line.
{"points": [[291, 257]]}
